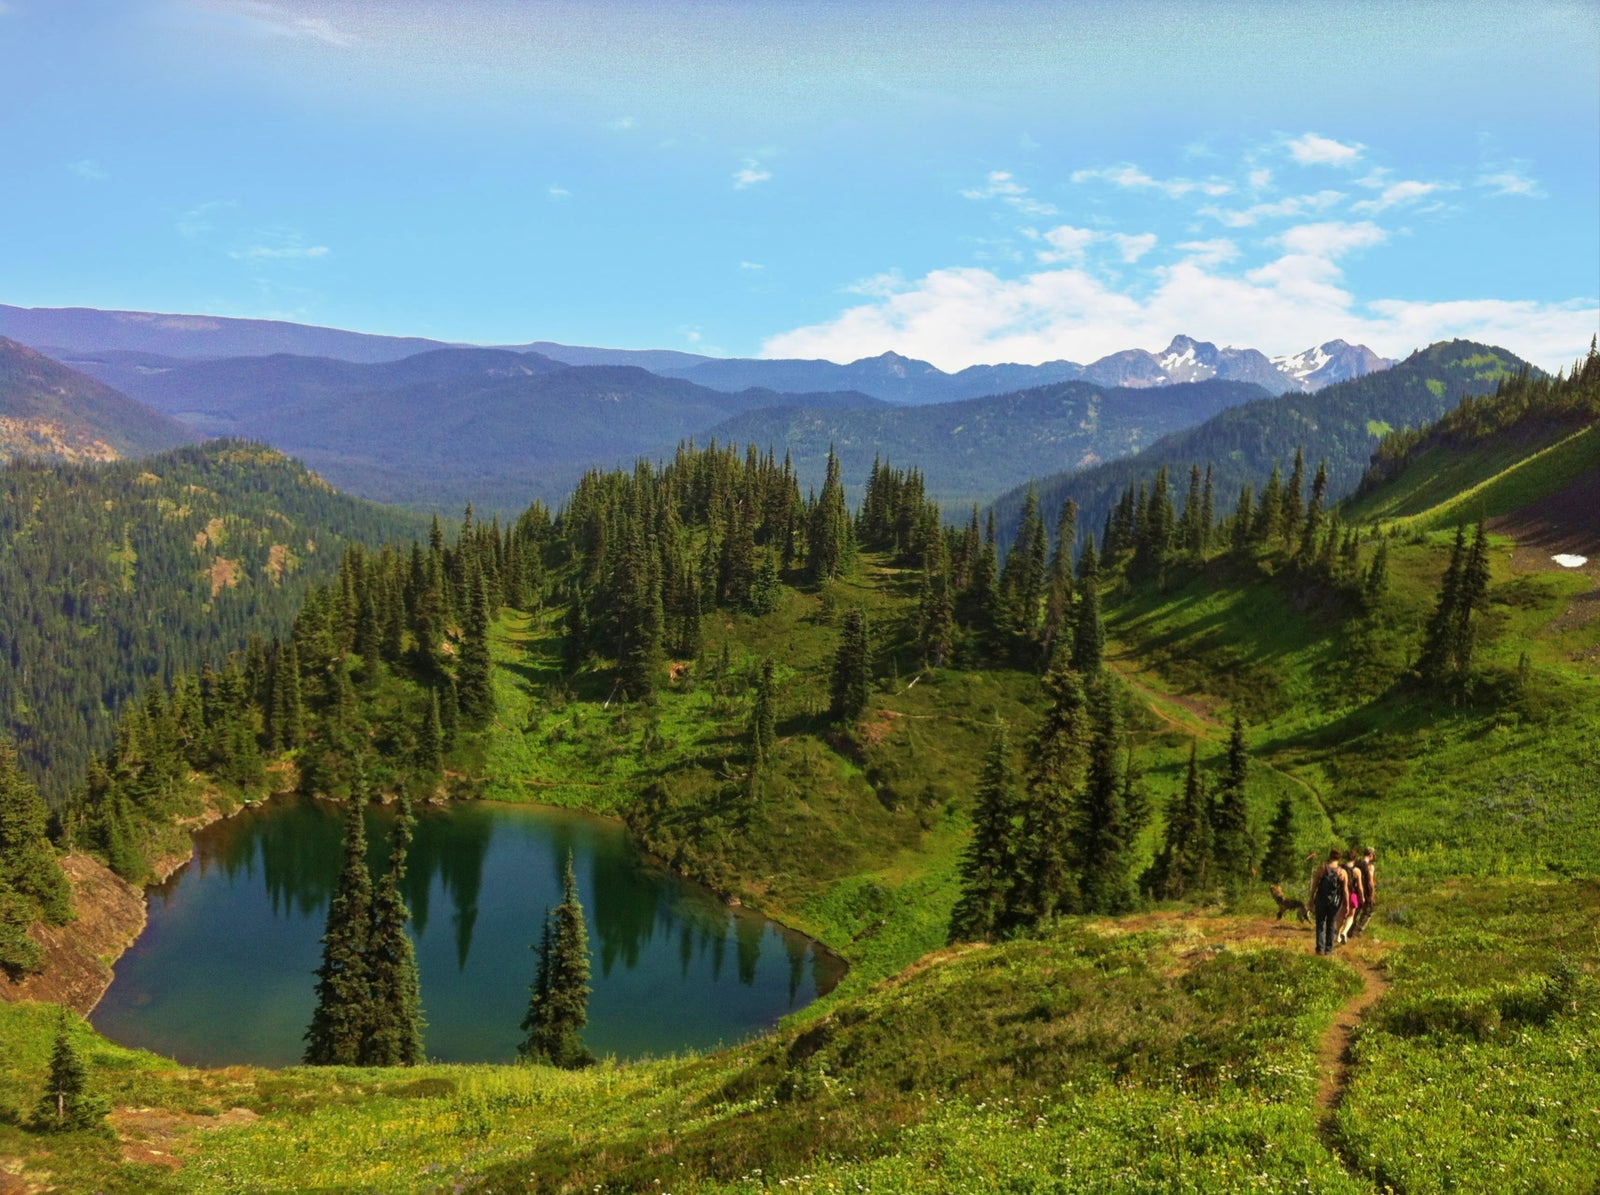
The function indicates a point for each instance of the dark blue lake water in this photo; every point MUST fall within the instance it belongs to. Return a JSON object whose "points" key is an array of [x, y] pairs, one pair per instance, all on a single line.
{"points": [[223, 972]]}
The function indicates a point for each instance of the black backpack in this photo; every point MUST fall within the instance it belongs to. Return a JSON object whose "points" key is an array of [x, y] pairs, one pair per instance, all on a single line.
{"points": [[1329, 893]]}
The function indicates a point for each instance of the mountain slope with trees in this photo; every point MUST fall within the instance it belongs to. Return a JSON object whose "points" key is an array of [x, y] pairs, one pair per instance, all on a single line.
{"points": [[49, 410], [1340, 425], [971, 451], [115, 576]]}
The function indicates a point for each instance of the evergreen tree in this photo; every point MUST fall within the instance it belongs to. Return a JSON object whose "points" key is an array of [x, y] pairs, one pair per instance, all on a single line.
{"points": [[558, 1007], [1183, 864], [430, 740], [1233, 851], [1282, 860], [20, 955], [828, 543], [1103, 834], [1243, 522], [394, 1032], [1293, 501], [852, 670], [66, 1103], [1447, 644], [1089, 639], [1312, 530], [989, 864], [1376, 582], [344, 993], [474, 689], [1045, 882], [28, 865], [764, 718]]}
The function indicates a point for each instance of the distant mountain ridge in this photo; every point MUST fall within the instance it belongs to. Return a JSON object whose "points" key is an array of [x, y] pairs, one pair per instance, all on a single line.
{"points": [[50, 410], [76, 332]]}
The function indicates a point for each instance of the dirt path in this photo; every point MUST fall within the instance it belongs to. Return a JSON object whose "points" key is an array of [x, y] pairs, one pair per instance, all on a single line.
{"points": [[1333, 1051]]}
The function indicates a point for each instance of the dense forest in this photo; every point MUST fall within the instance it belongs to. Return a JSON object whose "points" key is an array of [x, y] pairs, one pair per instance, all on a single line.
{"points": [[1340, 426], [115, 576]]}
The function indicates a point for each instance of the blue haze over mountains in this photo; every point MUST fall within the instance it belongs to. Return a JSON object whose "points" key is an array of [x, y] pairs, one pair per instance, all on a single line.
{"points": [[420, 423]]}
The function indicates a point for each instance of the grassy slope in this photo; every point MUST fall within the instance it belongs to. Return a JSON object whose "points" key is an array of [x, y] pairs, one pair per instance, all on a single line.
{"points": [[1179, 1056]]}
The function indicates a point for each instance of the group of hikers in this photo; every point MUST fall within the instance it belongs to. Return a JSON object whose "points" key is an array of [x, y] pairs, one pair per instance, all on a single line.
{"points": [[1342, 896]]}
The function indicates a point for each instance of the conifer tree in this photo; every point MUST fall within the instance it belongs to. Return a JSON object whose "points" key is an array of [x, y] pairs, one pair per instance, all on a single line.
{"points": [[1183, 864], [936, 619], [1089, 637], [1439, 664], [852, 670], [1243, 522], [1282, 860], [20, 955], [1046, 883], [28, 865], [394, 1031], [474, 689], [1293, 502], [558, 1005], [764, 717], [1269, 511], [1058, 602], [1103, 834], [1233, 852], [286, 715], [1376, 582], [989, 870], [1312, 529], [341, 1019], [66, 1102], [430, 740], [828, 541]]}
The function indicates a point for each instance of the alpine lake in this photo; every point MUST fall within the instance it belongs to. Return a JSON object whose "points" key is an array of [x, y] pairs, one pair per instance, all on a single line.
{"points": [[223, 972]]}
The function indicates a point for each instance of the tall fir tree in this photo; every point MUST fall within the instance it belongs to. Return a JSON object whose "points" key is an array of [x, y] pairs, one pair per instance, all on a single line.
{"points": [[558, 1005], [1103, 834], [852, 670], [1233, 850], [1282, 861], [340, 1021], [764, 717], [67, 1103], [1046, 883], [474, 689], [1183, 864], [28, 865], [1089, 637], [394, 1032], [989, 870]]}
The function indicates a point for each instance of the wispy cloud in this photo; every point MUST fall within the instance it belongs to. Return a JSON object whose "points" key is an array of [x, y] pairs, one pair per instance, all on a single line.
{"points": [[1311, 150], [1513, 180], [621, 124], [88, 168], [1002, 185], [751, 265], [1130, 177], [751, 173], [279, 253], [557, 192], [1396, 194], [1333, 238], [1291, 206], [274, 20], [198, 221]]}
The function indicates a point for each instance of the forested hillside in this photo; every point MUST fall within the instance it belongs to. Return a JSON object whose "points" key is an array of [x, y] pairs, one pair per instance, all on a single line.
{"points": [[49, 410], [972, 451], [115, 576], [1340, 426]]}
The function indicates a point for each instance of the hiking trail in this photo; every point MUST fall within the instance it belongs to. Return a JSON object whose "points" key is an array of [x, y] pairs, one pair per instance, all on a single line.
{"points": [[1334, 1064]]}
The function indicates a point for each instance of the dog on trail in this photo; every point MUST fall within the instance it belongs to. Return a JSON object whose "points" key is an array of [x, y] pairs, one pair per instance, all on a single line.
{"points": [[1285, 903]]}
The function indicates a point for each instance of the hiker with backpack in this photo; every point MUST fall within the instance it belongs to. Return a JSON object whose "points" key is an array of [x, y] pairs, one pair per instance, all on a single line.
{"points": [[1352, 897], [1329, 892], [1367, 873]]}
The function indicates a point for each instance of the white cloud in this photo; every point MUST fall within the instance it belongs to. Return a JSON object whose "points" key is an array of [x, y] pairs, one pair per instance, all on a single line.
{"points": [[1512, 181], [1331, 239], [1293, 205], [271, 20], [1066, 243], [750, 174], [1133, 248], [557, 192], [1001, 185], [751, 265], [966, 315], [1260, 180], [1130, 177], [279, 253], [1407, 191], [88, 168], [1312, 150], [621, 124]]}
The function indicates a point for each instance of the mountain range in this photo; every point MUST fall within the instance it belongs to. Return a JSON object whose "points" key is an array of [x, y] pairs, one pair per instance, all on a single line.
{"points": [[69, 333]]}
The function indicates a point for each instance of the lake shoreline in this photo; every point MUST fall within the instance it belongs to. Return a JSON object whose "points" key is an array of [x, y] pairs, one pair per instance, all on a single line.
{"points": [[82, 956]]}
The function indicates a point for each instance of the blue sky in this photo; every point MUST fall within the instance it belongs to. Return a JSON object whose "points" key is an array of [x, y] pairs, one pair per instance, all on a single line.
{"points": [[961, 182]]}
